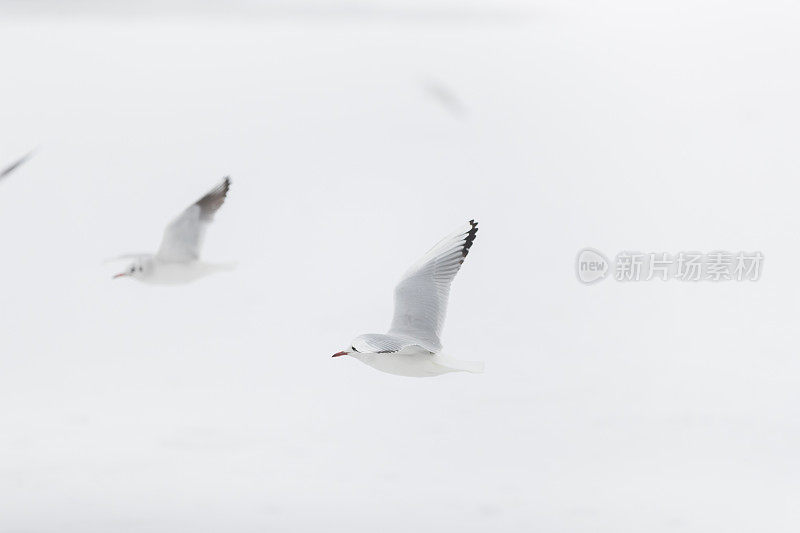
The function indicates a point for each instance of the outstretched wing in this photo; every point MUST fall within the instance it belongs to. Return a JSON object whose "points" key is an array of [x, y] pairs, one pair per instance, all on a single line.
{"points": [[420, 300], [13, 166], [125, 257], [184, 235]]}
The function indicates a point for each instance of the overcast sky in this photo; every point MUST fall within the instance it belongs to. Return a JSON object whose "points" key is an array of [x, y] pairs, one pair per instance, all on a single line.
{"points": [[619, 407]]}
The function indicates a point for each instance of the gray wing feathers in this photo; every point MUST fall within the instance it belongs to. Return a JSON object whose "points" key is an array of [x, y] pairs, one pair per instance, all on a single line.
{"points": [[377, 343], [420, 300], [184, 235]]}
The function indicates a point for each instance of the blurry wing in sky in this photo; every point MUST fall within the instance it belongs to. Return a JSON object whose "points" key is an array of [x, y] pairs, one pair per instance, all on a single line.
{"points": [[445, 97], [420, 300], [13, 166], [184, 235], [126, 257]]}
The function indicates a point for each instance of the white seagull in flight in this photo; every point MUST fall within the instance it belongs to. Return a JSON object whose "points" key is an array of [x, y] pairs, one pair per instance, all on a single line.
{"points": [[412, 346], [178, 258]]}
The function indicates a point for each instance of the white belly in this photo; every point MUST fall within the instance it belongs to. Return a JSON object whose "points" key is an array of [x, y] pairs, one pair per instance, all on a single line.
{"points": [[179, 273], [411, 362]]}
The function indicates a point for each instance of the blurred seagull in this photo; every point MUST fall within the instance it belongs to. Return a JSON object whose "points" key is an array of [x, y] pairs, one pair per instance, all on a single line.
{"points": [[16, 164], [412, 346], [178, 258], [445, 97]]}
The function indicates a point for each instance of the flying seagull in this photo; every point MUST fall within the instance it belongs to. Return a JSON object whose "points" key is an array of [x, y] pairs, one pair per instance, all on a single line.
{"points": [[445, 97], [412, 346], [13, 166], [178, 258]]}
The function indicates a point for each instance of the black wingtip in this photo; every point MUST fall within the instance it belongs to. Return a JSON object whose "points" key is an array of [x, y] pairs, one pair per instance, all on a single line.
{"points": [[213, 200], [471, 234], [224, 186]]}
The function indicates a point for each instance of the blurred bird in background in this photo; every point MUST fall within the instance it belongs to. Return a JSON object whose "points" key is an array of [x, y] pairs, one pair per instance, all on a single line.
{"points": [[15, 165], [178, 258]]}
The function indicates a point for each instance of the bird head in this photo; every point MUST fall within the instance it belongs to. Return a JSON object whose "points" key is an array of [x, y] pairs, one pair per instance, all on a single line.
{"points": [[137, 269]]}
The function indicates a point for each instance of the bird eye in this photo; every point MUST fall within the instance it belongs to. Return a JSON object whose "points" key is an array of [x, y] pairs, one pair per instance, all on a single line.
{"points": [[353, 348]]}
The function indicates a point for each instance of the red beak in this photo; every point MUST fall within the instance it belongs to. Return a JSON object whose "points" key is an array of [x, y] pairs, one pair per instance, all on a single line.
{"points": [[120, 275], [339, 354]]}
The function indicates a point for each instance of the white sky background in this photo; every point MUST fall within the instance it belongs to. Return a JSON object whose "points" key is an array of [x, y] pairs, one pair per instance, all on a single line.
{"points": [[644, 407]]}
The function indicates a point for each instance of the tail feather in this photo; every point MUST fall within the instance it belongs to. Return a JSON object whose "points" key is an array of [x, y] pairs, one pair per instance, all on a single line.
{"points": [[222, 267], [475, 367]]}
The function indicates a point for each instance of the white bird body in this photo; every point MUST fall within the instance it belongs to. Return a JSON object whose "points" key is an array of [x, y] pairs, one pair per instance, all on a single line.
{"points": [[416, 362], [158, 272], [178, 258], [412, 346]]}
